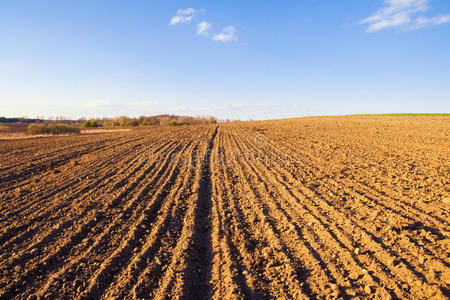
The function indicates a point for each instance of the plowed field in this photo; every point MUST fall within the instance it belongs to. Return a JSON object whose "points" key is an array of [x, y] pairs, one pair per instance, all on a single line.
{"points": [[306, 208]]}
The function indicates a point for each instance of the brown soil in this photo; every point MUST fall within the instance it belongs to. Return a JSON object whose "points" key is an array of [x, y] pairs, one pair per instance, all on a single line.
{"points": [[332, 207]]}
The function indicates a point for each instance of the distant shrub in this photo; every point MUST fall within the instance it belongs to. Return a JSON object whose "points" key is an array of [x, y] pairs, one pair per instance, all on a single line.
{"points": [[54, 129], [171, 120], [62, 128], [175, 123], [132, 123], [123, 120], [37, 129], [110, 123], [91, 123]]}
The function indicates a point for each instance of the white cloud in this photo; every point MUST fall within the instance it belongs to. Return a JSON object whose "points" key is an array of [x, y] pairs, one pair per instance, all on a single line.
{"points": [[422, 21], [186, 11], [179, 19], [227, 34], [203, 28], [184, 15], [402, 14]]}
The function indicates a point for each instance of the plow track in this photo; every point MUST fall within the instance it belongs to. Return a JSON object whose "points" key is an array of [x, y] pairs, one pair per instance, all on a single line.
{"points": [[295, 209]]}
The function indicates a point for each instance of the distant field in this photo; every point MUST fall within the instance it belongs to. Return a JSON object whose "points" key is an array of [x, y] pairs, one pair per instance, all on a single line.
{"points": [[13, 128], [11, 131], [317, 208], [406, 115]]}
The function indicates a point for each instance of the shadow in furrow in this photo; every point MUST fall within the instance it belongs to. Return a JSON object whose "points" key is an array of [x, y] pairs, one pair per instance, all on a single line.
{"points": [[198, 272]]}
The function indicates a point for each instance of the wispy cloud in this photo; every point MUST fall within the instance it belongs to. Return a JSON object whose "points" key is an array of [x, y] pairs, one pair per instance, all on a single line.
{"points": [[186, 11], [180, 109], [184, 15], [422, 21], [113, 104], [402, 14], [227, 34], [203, 28]]}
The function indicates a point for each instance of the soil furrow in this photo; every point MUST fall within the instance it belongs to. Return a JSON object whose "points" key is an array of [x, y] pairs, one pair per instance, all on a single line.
{"points": [[199, 260], [83, 230], [96, 253]]}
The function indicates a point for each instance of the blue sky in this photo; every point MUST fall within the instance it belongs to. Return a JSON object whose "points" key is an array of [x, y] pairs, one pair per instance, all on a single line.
{"points": [[231, 59]]}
